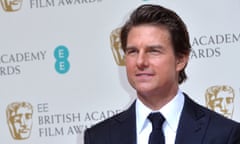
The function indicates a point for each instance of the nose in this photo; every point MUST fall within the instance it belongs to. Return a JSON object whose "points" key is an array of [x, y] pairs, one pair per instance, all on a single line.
{"points": [[23, 121], [224, 106], [142, 61]]}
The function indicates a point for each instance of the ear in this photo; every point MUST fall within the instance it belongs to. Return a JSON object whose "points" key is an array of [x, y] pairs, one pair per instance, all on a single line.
{"points": [[181, 62]]}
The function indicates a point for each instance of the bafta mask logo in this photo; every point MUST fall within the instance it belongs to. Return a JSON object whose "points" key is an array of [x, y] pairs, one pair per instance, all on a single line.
{"points": [[11, 5], [220, 99], [19, 119], [116, 47]]}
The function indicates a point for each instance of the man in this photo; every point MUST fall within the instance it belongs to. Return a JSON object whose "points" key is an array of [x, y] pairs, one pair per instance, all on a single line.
{"points": [[221, 99], [19, 117], [156, 45]]}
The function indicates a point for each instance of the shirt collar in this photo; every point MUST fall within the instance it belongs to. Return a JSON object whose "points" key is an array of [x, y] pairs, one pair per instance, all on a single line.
{"points": [[171, 111]]}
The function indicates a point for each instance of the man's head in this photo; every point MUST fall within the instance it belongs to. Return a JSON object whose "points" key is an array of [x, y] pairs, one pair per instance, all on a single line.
{"points": [[220, 99], [19, 118], [156, 15]]}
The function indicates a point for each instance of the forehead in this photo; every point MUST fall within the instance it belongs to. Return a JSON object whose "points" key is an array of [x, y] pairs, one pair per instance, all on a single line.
{"points": [[150, 28], [22, 110], [149, 34], [225, 94]]}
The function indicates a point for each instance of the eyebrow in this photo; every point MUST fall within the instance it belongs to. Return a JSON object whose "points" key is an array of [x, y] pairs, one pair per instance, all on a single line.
{"points": [[148, 47], [155, 46]]}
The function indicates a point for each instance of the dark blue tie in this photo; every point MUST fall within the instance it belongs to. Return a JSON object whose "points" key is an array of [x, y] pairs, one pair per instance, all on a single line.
{"points": [[156, 136]]}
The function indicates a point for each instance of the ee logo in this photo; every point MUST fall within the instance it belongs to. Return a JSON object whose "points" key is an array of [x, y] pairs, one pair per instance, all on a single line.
{"points": [[62, 64]]}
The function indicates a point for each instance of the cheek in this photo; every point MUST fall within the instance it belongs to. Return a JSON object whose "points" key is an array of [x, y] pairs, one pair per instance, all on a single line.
{"points": [[230, 106], [164, 66], [17, 126], [28, 122], [129, 65], [129, 72]]}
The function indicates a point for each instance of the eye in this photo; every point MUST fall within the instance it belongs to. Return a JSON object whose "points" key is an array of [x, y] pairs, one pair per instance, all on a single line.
{"points": [[28, 116], [17, 119], [155, 50], [131, 51], [229, 100], [217, 103]]}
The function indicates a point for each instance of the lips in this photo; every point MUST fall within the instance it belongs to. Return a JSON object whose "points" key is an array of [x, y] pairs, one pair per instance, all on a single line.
{"points": [[24, 130], [143, 76]]}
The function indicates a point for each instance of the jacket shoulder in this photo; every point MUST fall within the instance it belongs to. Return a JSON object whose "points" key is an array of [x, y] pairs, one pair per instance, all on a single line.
{"points": [[110, 127]]}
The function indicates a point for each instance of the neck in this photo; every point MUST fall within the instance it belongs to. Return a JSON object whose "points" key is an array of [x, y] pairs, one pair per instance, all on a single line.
{"points": [[156, 101]]}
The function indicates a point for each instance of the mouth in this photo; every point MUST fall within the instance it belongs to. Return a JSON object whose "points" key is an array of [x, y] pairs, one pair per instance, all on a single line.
{"points": [[24, 130], [144, 76]]}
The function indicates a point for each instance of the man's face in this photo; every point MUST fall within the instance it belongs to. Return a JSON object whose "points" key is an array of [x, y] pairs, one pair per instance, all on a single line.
{"points": [[151, 65], [21, 121], [223, 103]]}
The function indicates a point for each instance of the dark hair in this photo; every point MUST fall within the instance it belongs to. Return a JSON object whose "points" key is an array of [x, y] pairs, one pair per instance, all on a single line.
{"points": [[160, 16]]}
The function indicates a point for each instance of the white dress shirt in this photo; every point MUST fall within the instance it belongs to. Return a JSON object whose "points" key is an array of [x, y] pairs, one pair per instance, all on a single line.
{"points": [[171, 111]]}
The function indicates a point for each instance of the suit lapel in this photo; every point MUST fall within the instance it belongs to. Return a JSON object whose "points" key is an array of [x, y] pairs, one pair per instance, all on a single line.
{"points": [[192, 124], [123, 128]]}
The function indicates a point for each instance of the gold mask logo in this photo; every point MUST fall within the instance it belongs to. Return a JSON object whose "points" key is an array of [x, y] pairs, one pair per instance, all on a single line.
{"points": [[116, 47], [11, 5], [220, 99], [19, 119]]}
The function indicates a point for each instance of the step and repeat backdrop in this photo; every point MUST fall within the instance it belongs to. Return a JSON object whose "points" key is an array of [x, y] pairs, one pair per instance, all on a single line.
{"points": [[62, 69]]}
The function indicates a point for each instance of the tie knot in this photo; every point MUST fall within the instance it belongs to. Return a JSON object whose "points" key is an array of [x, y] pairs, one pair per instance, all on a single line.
{"points": [[156, 119]]}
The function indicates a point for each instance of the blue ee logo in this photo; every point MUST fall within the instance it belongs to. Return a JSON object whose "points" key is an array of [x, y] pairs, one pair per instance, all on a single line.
{"points": [[62, 64]]}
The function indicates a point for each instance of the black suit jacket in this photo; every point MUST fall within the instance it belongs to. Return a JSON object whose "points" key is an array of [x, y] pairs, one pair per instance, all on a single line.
{"points": [[197, 125]]}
